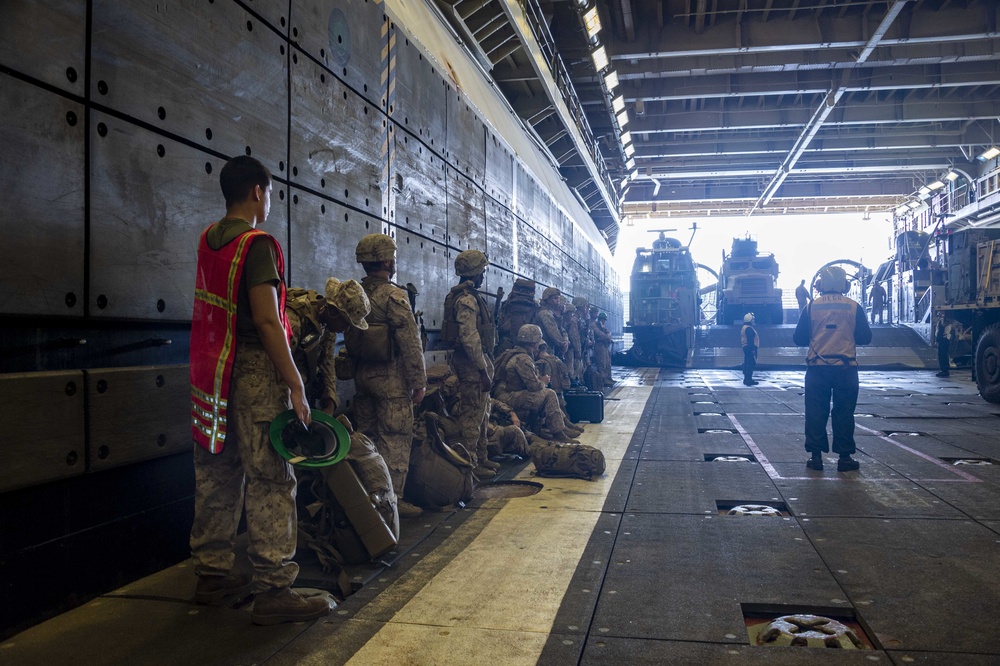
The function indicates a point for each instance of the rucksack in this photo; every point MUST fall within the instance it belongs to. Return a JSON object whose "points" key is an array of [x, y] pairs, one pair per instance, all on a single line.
{"points": [[440, 475], [567, 460], [515, 313]]}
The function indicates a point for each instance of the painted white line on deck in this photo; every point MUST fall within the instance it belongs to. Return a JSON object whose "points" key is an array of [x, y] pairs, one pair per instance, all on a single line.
{"points": [[495, 601]]}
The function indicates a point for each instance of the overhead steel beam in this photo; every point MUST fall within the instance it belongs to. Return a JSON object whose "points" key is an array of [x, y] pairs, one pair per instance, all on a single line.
{"points": [[805, 35], [983, 72]]}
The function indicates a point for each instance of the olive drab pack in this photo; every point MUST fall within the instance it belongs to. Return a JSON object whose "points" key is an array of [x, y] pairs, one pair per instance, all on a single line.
{"points": [[578, 461], [449, 322], [374, 344], [517, 310], [304, 303], [440, 475]]}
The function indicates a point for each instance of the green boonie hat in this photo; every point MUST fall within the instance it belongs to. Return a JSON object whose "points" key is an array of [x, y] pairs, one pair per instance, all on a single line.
{"points": [[325, 443], [350, 298], [470, 263]]}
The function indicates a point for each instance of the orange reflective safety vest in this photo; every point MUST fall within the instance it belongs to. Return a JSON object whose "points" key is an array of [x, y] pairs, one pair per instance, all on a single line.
{"points": [[213, 332], [831, 340]]}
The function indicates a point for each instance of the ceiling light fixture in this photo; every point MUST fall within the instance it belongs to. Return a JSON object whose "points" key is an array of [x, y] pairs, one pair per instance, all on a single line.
{"points": [[622, 119], [618, 103], [626, 138], [936, 185], [951, 176], [989, 153], [629, 150], [611, 80], [600, 58], [630, 164], [592, 22]]}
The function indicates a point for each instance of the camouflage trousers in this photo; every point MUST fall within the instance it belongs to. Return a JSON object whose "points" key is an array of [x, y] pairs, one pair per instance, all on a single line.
{"points": [[542, 405], [247, 471], [389, 423], [602, 359], [474, 406], [508, 439]]}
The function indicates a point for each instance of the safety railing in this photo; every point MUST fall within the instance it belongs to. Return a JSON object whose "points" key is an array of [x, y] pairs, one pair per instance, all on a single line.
{"points": [[540, 30]]}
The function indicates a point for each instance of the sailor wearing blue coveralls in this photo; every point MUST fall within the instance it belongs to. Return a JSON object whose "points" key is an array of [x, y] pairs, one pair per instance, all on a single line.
{"points": [[832, 325]]}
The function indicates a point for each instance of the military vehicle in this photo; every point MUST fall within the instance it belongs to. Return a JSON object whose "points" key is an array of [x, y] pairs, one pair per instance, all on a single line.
{"points": [[968, 269], [747, 284], [663, 304]]}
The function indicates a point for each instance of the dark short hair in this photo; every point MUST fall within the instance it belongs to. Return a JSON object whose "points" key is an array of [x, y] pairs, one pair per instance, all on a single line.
{"points": [[239, 176]]}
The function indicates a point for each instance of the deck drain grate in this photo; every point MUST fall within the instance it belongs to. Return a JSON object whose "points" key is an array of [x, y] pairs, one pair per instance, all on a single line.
{"points": [[716, 431], [507, 489], [770, 508], [836, 628], [902, 433], [709, 413], [969, 461], [867, 416], [729, 457]]}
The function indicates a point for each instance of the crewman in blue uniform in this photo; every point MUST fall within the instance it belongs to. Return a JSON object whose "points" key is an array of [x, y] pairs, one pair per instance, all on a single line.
{"points": [[832, 325]]}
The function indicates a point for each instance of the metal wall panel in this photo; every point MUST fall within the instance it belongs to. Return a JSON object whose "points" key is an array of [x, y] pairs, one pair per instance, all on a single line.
{"points": [[538, 257], [210, 72], [324, 235], [43, 435], [525, 193], [337, 139], [499, 170], [347, 39], [54, 55], [151, 198], [41, 185], [419, 94], [425, 264], [500, 236], [466, 213], [465, 148], [137, 414], [418, 188]]}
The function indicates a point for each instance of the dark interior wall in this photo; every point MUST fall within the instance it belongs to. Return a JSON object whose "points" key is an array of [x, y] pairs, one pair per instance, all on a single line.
{"points": [[118, 115]]}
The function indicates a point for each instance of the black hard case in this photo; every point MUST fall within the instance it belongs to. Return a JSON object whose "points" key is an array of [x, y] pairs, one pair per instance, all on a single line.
{"points": [[585, 406]]}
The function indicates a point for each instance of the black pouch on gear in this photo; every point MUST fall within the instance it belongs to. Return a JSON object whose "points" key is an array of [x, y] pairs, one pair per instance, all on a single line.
{"points": [[578, 461]]}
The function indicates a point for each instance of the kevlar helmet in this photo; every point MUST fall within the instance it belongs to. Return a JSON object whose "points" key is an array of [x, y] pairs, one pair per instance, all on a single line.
{"points": [[603, 316], [580, 302], [529, 333], [325, 442], [748, 318], [833, 279], [375, 247], [470, 263], [549, 293], [524, 286], [350, 298]]}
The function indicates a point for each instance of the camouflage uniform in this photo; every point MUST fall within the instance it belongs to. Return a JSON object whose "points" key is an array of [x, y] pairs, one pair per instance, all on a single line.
{"points": [[574, 354], [256, 395], [383, 407], [468, 361], [504, 436], [602, 350], [518, 385], [548, 320]]}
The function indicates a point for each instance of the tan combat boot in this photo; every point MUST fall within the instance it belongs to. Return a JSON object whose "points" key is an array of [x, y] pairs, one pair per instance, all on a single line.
{"points": [[407, 510], [280, 605]]}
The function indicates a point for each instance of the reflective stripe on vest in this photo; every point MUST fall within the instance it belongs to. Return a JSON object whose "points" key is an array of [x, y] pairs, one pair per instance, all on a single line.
{"points": [[831, 341], [213, 332]]}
